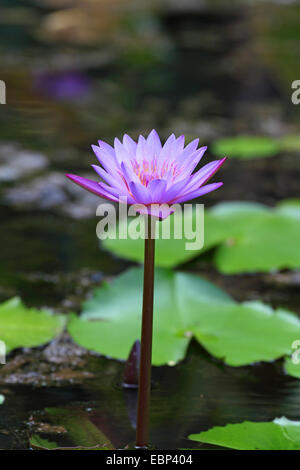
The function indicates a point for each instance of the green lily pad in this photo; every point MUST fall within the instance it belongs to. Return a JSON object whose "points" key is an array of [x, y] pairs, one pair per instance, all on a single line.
{"points": [[241, 233], [269, 241], [185, 306], [38, 442], [246, 147], [168, 252], [292, 368], [111, 320], [27, 327], [219, 224], [2, 399], [280, 434]]}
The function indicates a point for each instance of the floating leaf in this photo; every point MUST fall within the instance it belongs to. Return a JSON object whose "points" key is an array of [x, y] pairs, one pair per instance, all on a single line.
{"points": [[185, 306], [280, 434], [269, 241], [169, 252], [2, 399], [38, 442], [292, 368], [248, 332], [219, 224], [27, 327], [241, 231], [110, 322], [246, 147]]}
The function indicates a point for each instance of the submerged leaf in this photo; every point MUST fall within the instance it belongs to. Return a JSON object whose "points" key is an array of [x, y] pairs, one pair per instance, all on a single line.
{"points": [[27, 327], [280, 434], [185, 306], [80, 429]]}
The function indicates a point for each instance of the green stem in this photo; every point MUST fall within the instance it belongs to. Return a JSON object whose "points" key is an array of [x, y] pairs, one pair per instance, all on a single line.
{"points": [[143, 410]]}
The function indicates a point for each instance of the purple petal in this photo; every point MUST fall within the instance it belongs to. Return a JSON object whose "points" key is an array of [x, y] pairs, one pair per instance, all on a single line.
{"points": [[114, 180], [141, 150], [121, 153], [130, 145], [129, 174], [117, 193], [157, 189], [92, 186], [189, 150], [156, 210], [108, 148], [168, 148], [191, 161], [154, 144], [198, 192], [140, 193], [176, 189], [180, 144], [204, 174], [106, 159]]}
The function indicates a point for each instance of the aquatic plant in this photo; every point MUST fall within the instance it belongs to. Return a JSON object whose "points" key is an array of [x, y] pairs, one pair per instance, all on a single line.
{"points": [[152, 177]]}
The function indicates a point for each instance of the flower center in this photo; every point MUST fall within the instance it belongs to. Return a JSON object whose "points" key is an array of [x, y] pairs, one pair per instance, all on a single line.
{"points": [[148, 171]]}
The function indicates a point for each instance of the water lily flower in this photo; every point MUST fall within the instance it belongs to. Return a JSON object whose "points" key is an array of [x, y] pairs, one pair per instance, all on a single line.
{"points": [[148, 173], [152, 177]]}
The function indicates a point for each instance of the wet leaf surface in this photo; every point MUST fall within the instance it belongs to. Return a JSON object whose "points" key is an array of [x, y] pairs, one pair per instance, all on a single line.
{"points": [[241, 231], [281, 434], [24, 327], [185, 306]]}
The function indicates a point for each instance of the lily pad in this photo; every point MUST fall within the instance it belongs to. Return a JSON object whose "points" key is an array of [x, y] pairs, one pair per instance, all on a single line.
{"points": [[246, 147], [292, 368], [241, 233], [169, 252], [185, 306], [280, 434], [27, 327], [269, 241], [219, 224], [2, 399], [39, 443]]}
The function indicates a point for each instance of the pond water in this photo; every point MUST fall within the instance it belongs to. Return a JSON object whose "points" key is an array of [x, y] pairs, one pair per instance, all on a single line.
{"points": [[210, 71]]}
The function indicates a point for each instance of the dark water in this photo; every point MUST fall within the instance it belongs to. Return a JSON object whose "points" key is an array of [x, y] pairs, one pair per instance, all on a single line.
{"points": [[210, 70], [195, 395]]}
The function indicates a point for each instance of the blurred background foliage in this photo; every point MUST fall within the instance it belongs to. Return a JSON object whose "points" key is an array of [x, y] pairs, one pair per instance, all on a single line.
{"points": [[76, 71], [80, 70]]}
